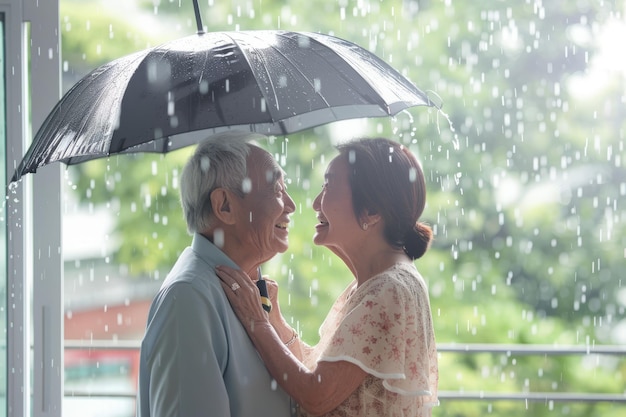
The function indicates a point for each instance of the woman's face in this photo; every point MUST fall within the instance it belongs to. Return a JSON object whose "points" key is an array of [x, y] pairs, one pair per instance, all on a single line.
{"points": [[338, 226]]}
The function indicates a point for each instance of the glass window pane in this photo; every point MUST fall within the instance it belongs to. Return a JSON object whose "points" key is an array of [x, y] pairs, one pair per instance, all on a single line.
{"points": [[525, 194]]}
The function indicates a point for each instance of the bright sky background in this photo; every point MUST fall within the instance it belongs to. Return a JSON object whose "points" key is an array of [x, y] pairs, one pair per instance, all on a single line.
{"points": [[609, 62]]}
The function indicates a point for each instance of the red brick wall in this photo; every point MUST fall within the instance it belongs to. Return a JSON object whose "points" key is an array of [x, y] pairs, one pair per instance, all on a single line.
{"points": [[121, 322]]}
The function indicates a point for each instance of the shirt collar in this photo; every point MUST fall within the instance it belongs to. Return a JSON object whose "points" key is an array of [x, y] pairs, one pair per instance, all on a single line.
{"points": [[210, 253]]}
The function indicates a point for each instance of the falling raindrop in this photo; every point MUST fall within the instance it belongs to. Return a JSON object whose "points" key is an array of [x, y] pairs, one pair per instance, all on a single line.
{"points": [[246, 185]]}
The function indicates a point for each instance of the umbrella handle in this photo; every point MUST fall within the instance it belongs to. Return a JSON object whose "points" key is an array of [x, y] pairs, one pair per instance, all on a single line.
{"points": [[265, 299], [196, 10]]}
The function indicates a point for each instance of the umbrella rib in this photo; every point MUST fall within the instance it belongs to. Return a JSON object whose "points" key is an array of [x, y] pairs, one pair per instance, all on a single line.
{"points": [[132, 61], [253, 73], [85, 121], [300, 71], [381, 102], [405, 83]]}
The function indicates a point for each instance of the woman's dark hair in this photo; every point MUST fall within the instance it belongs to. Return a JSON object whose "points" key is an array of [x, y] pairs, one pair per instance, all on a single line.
{"points": [[386, 179]]}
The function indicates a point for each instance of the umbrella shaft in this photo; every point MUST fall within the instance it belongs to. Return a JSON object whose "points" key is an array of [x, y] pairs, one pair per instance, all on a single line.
{"points": [[196, 10]]}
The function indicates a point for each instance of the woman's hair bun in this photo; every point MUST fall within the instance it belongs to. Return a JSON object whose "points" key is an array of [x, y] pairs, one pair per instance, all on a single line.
{"points": [[417, 240]]}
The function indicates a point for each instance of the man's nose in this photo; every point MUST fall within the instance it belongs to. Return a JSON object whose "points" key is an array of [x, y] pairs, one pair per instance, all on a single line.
{"points": [[290, 205]]}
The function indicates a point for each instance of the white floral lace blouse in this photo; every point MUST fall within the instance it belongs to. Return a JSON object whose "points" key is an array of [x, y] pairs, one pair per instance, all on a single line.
{"points": [[384, 327]]}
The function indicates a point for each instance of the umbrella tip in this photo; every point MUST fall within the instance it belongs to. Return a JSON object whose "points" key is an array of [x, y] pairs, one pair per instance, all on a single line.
{"points": [[437, 102], [16, 176]]}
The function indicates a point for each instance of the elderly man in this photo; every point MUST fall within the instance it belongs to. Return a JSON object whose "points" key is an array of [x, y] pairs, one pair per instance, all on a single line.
{"points": [[196, 358]]}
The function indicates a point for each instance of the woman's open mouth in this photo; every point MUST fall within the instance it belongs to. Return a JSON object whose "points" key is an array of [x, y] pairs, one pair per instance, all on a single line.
{"points": [[322, 221]]}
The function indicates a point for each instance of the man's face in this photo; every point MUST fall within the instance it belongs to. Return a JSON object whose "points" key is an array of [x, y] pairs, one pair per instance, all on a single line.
{"points": [[263, 212]]}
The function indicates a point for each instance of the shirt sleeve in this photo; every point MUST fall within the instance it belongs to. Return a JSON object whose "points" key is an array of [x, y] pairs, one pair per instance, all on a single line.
{"points": [[385, 328], [189, 357]]}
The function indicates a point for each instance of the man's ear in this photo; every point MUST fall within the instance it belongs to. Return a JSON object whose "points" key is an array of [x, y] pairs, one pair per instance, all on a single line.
{"points": [[221, 201]]}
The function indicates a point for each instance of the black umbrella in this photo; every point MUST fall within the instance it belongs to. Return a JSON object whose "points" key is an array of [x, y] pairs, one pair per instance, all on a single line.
{"points": [[173, 95]]}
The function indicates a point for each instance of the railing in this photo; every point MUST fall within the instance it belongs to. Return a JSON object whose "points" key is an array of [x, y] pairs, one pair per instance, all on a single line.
{"points": [[547, 350], [508, 349]]}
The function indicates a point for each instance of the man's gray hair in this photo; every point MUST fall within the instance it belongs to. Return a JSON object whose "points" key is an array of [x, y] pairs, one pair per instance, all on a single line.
{"points": [[219, 161]]}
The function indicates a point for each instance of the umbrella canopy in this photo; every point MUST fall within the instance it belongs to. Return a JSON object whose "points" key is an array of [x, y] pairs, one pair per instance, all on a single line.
{"points": [[174, 95]]}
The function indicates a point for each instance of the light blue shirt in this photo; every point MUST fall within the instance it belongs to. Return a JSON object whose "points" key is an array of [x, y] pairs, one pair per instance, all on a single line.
{"points": [[196, 358]]}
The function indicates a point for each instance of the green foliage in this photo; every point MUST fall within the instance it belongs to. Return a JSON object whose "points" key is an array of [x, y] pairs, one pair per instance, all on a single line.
{"points": [[526, 181], [93, 34], [148, 214]]}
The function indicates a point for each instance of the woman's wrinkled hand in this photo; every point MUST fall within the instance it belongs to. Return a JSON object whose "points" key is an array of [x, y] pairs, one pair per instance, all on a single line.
{"points": [[243, 295]]}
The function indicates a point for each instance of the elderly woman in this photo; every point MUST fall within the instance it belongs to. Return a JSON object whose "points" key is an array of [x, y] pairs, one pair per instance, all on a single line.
{"points": [[377, 353]]}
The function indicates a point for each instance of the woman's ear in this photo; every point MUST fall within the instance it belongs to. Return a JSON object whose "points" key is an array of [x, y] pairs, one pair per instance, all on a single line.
{"points": [[369, 219], [221, 201]]}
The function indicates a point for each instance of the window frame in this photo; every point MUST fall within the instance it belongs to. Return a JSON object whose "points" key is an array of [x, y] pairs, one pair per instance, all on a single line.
{"points": [[34, 260]]}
